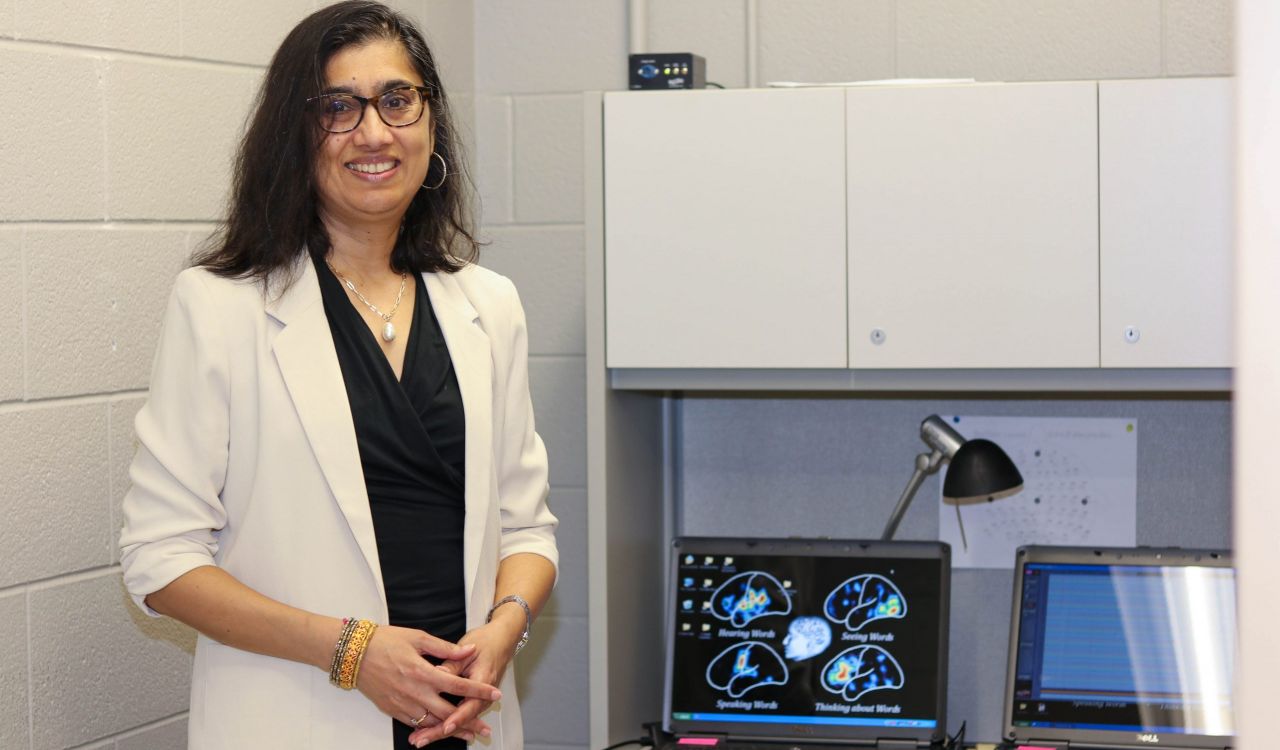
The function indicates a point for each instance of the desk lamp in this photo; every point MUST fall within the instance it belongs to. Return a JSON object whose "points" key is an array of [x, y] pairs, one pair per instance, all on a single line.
{"points": [[980, 470]]}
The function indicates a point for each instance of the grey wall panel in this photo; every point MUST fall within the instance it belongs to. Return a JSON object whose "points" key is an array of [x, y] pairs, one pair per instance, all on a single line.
{"points": [[981, 603], [549, 683], [1184, 475]]}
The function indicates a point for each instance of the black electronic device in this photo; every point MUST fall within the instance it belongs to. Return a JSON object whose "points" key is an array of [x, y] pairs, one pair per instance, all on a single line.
{"points": [[667, 70], [824, 642], [1121, 648]]}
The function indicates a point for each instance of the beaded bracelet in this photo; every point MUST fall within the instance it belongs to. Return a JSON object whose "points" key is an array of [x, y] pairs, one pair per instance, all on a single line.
{"points": [[349, 653], [348, 626]]}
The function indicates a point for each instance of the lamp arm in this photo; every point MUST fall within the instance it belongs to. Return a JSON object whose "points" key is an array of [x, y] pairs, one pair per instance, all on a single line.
{"points": [[926, 464]]}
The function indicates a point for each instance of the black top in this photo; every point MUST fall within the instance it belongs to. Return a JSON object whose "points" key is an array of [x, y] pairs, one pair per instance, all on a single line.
{"points": [[411, 435]]}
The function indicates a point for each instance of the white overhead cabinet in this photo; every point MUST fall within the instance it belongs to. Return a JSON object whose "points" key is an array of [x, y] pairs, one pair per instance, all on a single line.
{"points": [[724, 223], [1166, 207], [973, 226], [1014, 228]]}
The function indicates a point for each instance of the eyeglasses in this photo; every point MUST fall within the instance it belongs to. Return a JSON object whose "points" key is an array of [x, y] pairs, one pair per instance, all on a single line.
{"points": [[339, 113]]}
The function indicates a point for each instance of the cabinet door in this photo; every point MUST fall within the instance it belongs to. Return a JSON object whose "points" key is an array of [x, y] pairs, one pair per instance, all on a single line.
{"points": [[724, 229], [1166, 185], [973, 226]]}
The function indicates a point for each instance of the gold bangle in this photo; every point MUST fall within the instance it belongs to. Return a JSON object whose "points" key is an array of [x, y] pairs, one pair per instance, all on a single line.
{"points": [[353, 653], [355, 673], [347, 665]]}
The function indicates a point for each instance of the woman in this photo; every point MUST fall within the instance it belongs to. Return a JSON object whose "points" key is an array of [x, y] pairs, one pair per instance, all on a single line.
{"points": [[337, 472]]}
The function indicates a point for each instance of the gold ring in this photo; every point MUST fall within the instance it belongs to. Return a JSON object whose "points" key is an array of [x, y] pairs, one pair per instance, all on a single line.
{"points": [[420, 719]]}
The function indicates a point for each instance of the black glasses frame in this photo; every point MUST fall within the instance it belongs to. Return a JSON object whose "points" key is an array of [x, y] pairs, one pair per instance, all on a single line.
{"points": [[423, 91]]}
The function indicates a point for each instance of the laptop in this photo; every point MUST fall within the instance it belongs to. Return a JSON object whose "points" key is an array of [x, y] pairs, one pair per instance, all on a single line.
{"points": [[807, 643], [1121, 648]]}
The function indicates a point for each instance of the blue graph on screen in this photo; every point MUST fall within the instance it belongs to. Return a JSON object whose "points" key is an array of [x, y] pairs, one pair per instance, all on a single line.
{"points": [[1127, 635]]}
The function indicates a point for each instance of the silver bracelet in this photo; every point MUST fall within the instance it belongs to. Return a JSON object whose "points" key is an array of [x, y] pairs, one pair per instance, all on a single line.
{"points": [[528, 617]]}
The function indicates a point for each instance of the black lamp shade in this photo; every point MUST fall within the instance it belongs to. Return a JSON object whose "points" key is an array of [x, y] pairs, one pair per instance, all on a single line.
{"points": [[980, 470]]}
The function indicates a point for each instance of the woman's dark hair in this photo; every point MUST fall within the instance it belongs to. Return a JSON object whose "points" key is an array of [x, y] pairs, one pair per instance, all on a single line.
{"points": [[273, 214]]}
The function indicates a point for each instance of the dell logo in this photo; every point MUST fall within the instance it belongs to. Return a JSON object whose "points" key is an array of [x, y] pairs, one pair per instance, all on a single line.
{"points": [[1151, 738]]}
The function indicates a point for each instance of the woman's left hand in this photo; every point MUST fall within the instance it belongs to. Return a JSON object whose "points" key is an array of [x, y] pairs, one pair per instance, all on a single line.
{"points": [[495, 644]]}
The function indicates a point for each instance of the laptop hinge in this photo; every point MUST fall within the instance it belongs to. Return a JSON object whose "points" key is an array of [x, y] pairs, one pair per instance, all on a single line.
{"points": [[896, 744], [1054, 744]]}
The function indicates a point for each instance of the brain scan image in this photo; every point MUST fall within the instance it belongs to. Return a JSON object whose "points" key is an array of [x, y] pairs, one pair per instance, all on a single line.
{"points": [[861, 670], [744, 666], [863, 599], [806, 638], [749, 595]]}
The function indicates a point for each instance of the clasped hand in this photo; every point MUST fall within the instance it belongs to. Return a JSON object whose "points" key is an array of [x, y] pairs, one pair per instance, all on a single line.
{"points": [[404, 685], [491, 647]]}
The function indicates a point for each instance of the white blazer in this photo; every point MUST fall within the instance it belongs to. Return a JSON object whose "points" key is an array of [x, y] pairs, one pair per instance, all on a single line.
{"points": [[247, 460]]}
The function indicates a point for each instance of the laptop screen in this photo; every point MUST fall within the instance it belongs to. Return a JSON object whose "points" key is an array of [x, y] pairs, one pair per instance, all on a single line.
{"points": [[808, 639], [1122, 646]]}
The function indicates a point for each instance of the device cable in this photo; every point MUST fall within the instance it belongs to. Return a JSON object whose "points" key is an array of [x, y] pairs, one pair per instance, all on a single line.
{"points": [[652, 739]]}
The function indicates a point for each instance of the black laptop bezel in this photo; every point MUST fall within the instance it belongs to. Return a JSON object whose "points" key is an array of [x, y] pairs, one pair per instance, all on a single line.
{"points": [[751, 731], [1102, 738]]}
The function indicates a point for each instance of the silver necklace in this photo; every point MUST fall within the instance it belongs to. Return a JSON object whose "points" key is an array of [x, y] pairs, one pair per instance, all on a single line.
{"points": [[388, 330]]}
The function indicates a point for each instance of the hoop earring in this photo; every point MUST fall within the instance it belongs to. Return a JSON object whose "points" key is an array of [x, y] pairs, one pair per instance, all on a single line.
{"points": [[444, 169]]}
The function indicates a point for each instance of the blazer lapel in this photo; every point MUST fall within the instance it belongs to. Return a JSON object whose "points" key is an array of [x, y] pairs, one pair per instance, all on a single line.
{"points": [[308, 362], [469, 349]]}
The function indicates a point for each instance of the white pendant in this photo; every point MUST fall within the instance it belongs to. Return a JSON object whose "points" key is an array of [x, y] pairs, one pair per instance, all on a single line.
{"points": [[388, 333]]}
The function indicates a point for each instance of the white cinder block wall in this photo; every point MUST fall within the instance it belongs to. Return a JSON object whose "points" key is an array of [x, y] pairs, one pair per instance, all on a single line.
{"points": [[115, 158], [534, 58], [123, 115]]}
